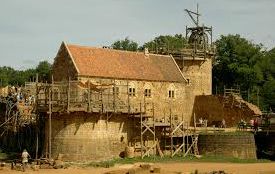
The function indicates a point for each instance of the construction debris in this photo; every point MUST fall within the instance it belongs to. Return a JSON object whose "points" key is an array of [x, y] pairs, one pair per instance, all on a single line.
{"points": [[231, 108]]}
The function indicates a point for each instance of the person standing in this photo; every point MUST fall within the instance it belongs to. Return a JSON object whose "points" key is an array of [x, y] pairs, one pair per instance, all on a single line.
{"points": [[223, 123], [25, 158]]}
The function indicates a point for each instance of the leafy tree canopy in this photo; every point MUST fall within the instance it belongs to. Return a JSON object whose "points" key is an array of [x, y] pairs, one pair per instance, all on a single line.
{"points": [[10, 76], [44, 71], [125, 44], [236, 62], [166, 44]]}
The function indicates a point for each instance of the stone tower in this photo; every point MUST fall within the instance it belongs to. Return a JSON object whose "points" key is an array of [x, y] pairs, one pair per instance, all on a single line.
{"points": [[195, 59]]}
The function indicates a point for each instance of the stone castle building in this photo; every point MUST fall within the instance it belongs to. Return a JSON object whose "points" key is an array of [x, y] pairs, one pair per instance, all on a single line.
{"points": [[129, 83]]}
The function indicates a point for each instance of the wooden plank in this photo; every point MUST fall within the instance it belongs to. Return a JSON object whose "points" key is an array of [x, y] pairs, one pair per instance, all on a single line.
{"points": [[68, 95]]}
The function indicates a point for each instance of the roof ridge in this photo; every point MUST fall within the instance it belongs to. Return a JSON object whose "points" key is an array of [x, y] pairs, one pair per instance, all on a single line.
{"points": [[163, 55], [116, 50], [109, 49]]}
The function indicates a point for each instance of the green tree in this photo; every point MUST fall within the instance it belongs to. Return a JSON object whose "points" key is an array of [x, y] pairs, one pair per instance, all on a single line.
{"points": [[6, 73], [236, 62], [30, 74], [10, 76], [267, 65], [268, 94], [44, 71], [165, 44], [125, 44]]}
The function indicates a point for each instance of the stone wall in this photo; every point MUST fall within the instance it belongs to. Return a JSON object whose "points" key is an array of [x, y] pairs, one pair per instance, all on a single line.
{"points": [[63, 66], [159, 98], [199, 75], [81, 136], [228, 145]]}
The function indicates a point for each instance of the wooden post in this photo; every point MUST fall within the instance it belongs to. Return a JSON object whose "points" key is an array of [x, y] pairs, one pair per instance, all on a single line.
{"points": [[183, 133], [37, 115], [141, 130], [144, 102], [89, 96], [204, 43], [69, 95], [154, 127], [195, 121], [171, 130], [108, 101], [182, 56], [114, 96], [50, 120], [101, 95], [50, 129], [91, 100], [128, 98]]}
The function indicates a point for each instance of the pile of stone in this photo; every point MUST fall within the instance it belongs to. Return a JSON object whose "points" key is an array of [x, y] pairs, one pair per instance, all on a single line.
{"points": [[213, 172], [140, 169]]}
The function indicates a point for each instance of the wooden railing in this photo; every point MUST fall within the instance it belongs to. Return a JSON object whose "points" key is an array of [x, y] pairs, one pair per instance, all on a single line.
{"points": [[70, 97]]}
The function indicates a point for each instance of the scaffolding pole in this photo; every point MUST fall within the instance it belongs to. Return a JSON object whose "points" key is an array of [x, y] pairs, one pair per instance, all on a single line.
{"points": [[147, 127], [50, 120]]}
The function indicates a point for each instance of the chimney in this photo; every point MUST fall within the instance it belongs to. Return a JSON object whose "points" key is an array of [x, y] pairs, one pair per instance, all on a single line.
{"points": [[146, 52]]}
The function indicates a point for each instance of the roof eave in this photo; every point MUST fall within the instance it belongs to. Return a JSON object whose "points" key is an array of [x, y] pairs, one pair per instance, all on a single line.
{"points": [[178, 68], [117, 78]]}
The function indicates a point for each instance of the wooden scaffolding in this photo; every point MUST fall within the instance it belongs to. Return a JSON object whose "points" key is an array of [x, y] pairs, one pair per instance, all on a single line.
{"points": [[155, 135], [183, 139]]}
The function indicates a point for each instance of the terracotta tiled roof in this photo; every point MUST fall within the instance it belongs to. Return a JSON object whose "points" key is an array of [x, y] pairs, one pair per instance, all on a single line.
{"points": [[101, 62]]}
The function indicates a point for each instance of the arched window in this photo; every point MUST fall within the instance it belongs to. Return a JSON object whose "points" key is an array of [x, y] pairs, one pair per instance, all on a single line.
{"points": [[115, 90], [132, 89], [171, 91], [147, 90]]}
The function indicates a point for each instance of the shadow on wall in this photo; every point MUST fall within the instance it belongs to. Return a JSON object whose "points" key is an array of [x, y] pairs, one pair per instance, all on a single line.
{"points": [[81, 136]]}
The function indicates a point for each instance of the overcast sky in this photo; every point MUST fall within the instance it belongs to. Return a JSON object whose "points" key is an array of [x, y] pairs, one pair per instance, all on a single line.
{"points": [[32, 30]]}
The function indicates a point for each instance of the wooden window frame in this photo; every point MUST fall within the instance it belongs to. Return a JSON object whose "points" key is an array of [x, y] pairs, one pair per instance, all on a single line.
{"points": [[171, 93], [132, 91], [147, 93], [116, 91]]}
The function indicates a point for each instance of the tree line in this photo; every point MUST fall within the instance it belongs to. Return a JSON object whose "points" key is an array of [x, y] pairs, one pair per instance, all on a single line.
{"points": [[11, 76], [239, 63]]}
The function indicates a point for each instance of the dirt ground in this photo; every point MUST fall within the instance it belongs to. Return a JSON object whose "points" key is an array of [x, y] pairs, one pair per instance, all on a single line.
{"points": [[166, 168]]}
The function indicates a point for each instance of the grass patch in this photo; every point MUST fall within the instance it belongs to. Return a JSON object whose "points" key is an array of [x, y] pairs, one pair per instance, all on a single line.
{"points": [[8, 156], [3, 156], [235, 133], [224, 159], [157, 159]]}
